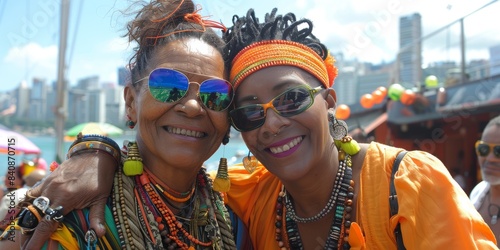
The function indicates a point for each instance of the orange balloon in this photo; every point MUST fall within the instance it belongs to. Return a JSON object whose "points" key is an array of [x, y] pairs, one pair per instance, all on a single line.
{"points": [[367, 101], [378, 96], [383, 90], [408, 97], [343, 112]]}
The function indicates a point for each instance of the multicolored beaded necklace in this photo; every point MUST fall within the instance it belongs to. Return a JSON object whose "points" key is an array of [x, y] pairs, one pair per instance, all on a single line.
{"points": [[175, 234], [340, 199], [140, 211]]}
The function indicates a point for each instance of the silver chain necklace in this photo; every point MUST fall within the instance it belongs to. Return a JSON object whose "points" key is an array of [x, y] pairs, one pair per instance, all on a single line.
{"points": [[329, 205]]}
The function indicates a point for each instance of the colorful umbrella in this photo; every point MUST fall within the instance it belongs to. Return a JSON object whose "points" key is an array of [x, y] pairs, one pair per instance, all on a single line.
{"points": [[105, 129], [14, 143]]}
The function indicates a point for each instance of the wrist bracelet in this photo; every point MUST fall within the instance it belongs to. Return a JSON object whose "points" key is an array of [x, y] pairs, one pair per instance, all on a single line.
{"points": [[95, 145], [93, 151], [94, 137]]}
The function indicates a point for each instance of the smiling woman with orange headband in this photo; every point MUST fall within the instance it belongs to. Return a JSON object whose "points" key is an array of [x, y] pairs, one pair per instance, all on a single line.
{"points": [[161, 196], [316, 187]]}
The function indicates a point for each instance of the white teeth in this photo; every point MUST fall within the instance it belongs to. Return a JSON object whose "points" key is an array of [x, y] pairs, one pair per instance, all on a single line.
{"points": [[185, 132], [286, 147]]}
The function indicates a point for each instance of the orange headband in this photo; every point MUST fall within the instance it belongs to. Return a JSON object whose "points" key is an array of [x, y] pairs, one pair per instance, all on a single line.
{"points": [[281, 52]]}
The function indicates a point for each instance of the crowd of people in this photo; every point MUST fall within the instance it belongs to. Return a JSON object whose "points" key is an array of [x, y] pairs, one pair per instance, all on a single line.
{"points": [[306, 184]]}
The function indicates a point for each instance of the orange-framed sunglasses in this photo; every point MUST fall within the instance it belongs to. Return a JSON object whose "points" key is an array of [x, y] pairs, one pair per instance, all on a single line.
{"points": [[483, 149]]}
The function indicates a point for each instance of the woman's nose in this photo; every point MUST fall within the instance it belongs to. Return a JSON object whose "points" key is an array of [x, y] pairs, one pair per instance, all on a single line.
{"points": [[191, 103], [273, 123]]}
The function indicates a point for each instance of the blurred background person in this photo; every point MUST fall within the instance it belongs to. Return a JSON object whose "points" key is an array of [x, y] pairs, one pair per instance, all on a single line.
{"points": [[486, 194], [8, 205]]}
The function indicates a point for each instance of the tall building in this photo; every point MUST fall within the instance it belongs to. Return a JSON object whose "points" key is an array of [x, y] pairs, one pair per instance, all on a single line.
{"points": [[37, 110], [51, 104], [22, 100], [345, 83], [115, 105], [88, 83], [495, 60], [478, 69], [410, 50], [87, 102], [122, 76], [370, 82]]}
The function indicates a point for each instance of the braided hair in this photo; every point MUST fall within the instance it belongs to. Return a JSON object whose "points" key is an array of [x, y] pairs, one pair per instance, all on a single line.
{"points": [[159, 22], [247, 30]]}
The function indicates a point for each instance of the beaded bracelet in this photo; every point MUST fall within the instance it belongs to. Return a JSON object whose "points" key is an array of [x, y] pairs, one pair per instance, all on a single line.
{"points": [[93, 151], [93, 145], [94, 137]]}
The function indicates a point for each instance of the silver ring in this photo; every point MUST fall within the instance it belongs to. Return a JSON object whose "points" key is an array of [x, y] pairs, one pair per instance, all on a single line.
{"points": [[90, 236], [41, 203], [54, 214]]}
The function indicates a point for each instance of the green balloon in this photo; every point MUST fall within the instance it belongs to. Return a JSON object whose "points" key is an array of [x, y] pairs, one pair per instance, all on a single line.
{"points": [[431, 81], [395, 91]]}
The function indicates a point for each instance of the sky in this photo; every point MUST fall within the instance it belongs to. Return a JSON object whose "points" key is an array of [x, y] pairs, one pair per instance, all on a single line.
{"points": [[359, 29]]}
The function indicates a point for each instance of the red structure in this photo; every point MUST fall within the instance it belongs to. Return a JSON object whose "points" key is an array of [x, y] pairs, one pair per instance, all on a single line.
{"points": [[445, 122]]}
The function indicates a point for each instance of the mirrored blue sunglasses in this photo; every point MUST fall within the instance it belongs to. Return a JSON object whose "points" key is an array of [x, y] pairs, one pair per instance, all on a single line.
{"points": [[169, 86]]}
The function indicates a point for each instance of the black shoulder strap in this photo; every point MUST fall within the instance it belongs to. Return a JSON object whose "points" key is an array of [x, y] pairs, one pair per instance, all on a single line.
{"points": [[393, 199]]}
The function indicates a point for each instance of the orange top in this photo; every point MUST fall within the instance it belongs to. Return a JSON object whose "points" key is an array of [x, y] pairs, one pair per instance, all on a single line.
{"points": [[434, 213]]}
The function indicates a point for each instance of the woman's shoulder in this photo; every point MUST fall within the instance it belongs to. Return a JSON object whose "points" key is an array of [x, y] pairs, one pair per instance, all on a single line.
{"points": [[380, 156]]}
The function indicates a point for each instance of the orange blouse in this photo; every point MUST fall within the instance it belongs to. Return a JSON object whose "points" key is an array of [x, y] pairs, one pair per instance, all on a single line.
{"points": [[435, 213]]}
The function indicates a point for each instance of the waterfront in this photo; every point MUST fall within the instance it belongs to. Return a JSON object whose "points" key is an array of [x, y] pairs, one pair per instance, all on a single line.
{"points": [[234, 151]]}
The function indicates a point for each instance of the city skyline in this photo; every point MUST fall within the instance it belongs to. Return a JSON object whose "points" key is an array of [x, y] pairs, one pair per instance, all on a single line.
{"points": [[356, 29]]}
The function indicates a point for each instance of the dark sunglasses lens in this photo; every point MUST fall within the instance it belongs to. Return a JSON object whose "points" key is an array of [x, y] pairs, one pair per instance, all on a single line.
{"points": [[167, 85], [496, 150], [248, 118], [293, 102], [216, 94], [289, 103], [483, 149]]}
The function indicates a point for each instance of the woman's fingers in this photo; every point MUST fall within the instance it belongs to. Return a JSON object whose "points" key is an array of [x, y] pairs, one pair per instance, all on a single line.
{"points": [[44, 229], [96, 217]]}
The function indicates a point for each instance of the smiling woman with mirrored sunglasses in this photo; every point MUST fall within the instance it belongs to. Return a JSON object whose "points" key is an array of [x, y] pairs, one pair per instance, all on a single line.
{"points": [[170, 85]]}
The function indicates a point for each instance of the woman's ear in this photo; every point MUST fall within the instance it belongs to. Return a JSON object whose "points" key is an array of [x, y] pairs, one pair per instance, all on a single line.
{"points": [[129, 94], [331, 98]]}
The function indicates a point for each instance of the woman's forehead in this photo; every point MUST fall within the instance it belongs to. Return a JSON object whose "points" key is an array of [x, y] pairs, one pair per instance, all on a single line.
{"points": [[190, 55]]}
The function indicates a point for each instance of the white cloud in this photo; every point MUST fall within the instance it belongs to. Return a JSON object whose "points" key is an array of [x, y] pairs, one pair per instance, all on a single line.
{"points": [[31, 60], [34, 54]]}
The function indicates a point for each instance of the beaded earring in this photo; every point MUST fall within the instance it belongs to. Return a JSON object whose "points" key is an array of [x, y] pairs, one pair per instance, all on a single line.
{"points": [[339, 132], [250, 163], [222, 183], [133, 164], [129, 123]]}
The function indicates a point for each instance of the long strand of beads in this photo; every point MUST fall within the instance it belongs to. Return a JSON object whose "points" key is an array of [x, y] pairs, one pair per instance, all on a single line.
{"points": [[174, 225], [279, 219], [328, 207], [116, 217], [124, 214], [339, 232]]}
